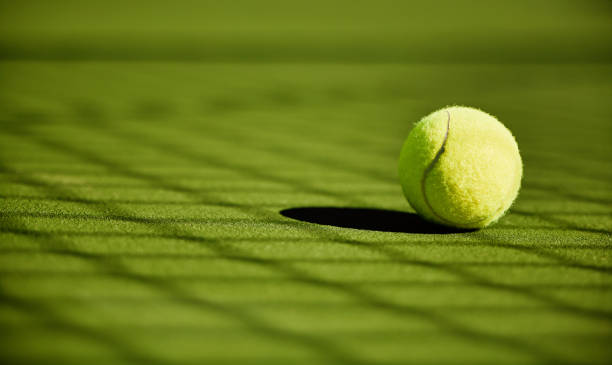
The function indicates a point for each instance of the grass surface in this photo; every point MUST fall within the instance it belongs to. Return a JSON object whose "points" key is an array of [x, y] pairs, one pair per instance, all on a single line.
{"points": [[143, 209]]}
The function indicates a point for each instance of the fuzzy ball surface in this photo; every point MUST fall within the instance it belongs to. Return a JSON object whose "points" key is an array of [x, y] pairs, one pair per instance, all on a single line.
{"points": [[460, 167]]}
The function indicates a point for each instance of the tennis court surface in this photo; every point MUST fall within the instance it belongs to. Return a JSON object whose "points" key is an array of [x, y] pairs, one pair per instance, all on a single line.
{"points": [[215, 183]]}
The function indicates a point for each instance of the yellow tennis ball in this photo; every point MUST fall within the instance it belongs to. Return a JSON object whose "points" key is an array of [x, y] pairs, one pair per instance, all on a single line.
{"points": [[460, 167]]}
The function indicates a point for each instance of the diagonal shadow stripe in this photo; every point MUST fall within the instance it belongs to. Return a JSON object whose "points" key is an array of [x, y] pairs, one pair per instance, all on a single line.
{"points": [[138, 219], [53, 319], [85, 200], [109, 265], [242, 280], [233, 133], [230, 135], [208, 160], [560, 222], [319, 344], [357, 293], [280, 239], [202, 158], [270, 260], [556, 190], [231, 204]]}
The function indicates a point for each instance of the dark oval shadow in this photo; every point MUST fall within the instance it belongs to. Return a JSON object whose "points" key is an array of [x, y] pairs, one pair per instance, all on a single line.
{"points": [[368, 219]]}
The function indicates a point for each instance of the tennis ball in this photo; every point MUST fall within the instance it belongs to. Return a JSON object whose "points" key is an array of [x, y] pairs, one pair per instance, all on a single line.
{"points": [[460, 167]]}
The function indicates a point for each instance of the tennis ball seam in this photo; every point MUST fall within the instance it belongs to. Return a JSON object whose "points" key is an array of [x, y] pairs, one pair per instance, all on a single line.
{"points": [[430, 167]]}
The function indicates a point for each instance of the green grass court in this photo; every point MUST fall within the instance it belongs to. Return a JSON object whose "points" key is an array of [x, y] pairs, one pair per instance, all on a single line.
{"points": [[152, 156]]}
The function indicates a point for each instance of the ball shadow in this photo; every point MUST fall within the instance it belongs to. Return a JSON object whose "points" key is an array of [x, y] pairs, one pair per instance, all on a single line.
{"points": [[367, 219]]}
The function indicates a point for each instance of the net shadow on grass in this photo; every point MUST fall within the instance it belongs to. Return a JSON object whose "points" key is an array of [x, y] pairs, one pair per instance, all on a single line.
{"points": [[317, 344], [367, 219]]}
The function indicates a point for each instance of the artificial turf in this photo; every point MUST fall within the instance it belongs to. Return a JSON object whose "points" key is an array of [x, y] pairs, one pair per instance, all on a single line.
{"points": [[172, 211]]}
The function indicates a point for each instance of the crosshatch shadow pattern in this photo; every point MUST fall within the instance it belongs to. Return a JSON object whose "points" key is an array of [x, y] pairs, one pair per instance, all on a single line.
{"points": [[199, 250]]}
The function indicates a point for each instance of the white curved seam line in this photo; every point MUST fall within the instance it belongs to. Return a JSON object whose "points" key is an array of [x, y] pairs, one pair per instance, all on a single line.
{"points": [[428, 170], [430, 167]]}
